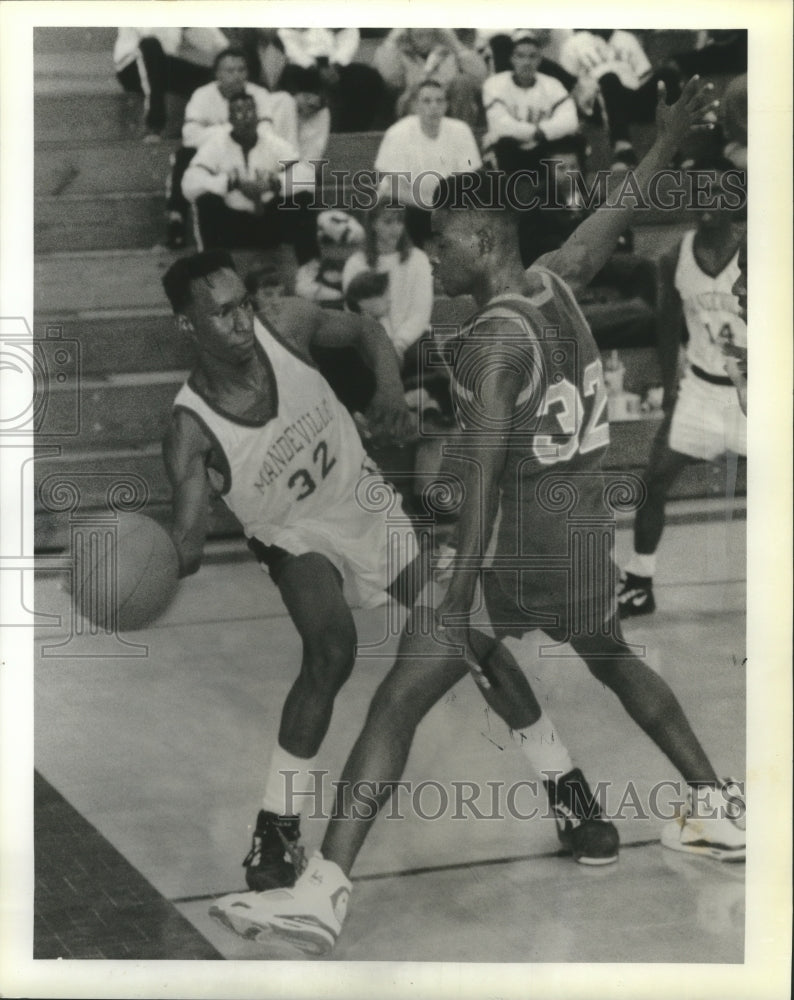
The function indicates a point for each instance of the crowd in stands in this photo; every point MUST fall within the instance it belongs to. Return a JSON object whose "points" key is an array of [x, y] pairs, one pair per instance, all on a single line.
{"points": [[263, 103]]}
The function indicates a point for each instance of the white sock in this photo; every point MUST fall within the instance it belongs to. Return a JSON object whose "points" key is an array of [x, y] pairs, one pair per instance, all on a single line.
{"points": [[287, 792], [544, 749], [642, 565]]}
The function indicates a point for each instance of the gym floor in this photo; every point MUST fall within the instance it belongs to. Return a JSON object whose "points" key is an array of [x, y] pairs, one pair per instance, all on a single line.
{"points": [[150, 773]]}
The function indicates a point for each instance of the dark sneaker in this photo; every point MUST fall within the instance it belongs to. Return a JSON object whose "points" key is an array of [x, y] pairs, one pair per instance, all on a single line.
{"points": [[276, 858], [175, 232], [582, 829], [635, 596]]}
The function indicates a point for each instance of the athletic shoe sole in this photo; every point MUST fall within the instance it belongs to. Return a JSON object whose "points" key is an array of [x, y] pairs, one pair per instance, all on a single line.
{"points": [[730, 855], [305, 933]]}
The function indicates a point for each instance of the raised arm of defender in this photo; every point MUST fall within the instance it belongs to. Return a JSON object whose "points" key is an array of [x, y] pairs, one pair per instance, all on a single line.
{"points": [[588, 249]]}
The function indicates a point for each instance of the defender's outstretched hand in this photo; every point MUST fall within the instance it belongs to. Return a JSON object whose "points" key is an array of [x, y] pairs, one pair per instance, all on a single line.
{"points": [[690, 111]]}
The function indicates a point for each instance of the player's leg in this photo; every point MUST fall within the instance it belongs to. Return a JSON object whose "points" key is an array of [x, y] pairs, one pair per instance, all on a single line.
{"points": [[310, 916], [664, 467], [714, 822], [311, 590], [582, 829]]}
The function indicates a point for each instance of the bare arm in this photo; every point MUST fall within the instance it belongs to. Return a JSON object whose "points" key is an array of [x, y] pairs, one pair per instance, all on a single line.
{"points": [[307, 324], [483, 458], [185, 452], [586, 251], [670, 326]]}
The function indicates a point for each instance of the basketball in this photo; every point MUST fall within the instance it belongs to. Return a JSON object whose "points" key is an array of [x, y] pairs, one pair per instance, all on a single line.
{"points": [[127, 581]]}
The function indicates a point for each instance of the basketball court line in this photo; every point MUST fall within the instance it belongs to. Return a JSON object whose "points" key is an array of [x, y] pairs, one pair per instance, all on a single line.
{"points": [[434, 869]]}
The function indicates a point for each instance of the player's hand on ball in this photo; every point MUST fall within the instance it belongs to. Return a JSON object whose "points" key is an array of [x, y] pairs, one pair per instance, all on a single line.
{"points": [[692, 110]]}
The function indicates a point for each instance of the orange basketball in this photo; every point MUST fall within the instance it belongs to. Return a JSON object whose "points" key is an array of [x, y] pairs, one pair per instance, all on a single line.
{"points": [[124, 580]]}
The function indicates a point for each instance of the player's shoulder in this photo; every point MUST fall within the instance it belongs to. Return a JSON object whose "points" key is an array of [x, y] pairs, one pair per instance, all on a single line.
{"points": [[293, 320], [186, 434]]}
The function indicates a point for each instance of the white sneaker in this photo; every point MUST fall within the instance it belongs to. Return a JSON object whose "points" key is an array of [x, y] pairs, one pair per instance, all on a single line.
{"points": [[309, 915], [712, 823]]}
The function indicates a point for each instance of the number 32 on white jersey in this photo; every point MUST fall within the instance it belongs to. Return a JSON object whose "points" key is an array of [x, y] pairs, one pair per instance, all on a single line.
{"points": [[563, 399]]}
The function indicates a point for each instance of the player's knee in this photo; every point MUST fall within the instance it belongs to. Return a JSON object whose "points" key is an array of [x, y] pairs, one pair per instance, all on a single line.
{"points": [[328, 663]]}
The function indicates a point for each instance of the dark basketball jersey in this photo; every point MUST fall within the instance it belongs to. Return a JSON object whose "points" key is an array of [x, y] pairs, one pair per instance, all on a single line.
{"points": [[556, 527]]}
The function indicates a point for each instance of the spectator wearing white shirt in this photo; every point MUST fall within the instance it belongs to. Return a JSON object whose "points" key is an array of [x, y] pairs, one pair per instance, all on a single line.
{"points": [[613, 65], [530, 115], [207, 112], [159, 61], [389, 250], [233, 182], [427, 146], [354, 92]]}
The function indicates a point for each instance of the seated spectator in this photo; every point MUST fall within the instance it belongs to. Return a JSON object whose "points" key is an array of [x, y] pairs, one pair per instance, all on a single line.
{"points": [[409, 56], [611, 66], [159, 61], [530, 116], [314, 116], [233, 182], [495, 45], [389, 250], [208, 112], [339, 235], [353, 91], [423, 142]]}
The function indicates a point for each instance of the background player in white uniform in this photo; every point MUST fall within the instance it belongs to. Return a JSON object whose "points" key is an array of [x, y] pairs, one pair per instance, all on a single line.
{"points": [[704, 421]]}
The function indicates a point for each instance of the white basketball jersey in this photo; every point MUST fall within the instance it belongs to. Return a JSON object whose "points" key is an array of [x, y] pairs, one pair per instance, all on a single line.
{"points": [[301, 465], [710, 309]]}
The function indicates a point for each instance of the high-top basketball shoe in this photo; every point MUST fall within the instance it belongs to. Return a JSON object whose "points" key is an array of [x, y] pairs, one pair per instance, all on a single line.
{"points": [[711, 824], [581, 827], [276, 858], [309, 916]]}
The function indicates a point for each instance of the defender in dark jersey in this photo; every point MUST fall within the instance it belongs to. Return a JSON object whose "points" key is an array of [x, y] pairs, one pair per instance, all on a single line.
{"points": [[529, 393]]}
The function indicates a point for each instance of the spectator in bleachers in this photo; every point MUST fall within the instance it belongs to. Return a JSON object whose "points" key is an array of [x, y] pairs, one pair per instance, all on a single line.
{"points": [[389, 250], [314, 115], [422, 142], [159, 61], [207, 112], [613, 68], [495, 45], [353, 91], [339, 235], [530, 116], [408, 56], [233, 182]]}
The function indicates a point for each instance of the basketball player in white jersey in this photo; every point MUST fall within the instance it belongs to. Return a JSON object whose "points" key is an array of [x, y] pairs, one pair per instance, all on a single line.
{"points": [[530, 399], [705, 420], [257, 423]]}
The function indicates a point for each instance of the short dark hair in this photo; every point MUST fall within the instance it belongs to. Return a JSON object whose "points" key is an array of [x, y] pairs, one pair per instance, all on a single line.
{"points": [[234, 51], [177, 279]]}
